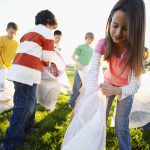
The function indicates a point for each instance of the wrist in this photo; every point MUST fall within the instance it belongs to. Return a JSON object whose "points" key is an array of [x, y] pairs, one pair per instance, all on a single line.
{"points": [[118, 91]]}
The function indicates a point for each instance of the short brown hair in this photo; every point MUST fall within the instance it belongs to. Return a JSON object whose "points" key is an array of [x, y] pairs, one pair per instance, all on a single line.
{"points": [[89, 35], [12, 25]]}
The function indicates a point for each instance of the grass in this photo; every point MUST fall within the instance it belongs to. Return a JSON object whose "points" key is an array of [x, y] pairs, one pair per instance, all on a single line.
{"points": [[52, 127]]}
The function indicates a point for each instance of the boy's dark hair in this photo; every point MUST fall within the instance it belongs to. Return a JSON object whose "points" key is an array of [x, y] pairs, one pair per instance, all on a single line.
{"points": [[12, 25], [45, 17], [57, 32]]}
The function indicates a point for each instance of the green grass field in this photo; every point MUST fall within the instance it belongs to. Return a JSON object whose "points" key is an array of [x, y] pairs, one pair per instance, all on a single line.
{"points": [[52, 127]]}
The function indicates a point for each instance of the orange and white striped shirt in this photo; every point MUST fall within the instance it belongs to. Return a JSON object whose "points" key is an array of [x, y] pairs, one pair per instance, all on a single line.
{"points": [[35, 46]]}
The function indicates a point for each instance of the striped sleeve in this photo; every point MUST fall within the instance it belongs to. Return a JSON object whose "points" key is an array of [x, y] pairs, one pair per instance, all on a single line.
{"points": [[48, 42], [48, 50], [100, 47], [36, 46], [92, 78], [130, 89]]}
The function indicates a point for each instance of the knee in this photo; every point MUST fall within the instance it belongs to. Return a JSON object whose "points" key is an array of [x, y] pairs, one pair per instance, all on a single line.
{"points": [[121, 123], [30, 110]]}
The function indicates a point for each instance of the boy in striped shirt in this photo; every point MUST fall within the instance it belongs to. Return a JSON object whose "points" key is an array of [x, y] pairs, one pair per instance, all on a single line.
{"points": [[36, 50]]}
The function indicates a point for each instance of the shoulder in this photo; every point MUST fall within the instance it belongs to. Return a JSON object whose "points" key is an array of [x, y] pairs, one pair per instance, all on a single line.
{"points": [[100, 46], [43, 31], [3, 37], [81, 45], [16, 42], [84, 46]]}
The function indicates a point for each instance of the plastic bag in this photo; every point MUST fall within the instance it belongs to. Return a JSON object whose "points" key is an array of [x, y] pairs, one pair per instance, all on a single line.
{"points": [[87, 130]]}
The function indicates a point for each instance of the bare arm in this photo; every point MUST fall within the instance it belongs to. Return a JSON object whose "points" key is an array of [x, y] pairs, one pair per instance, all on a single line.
{"points": [[80, 67], [74, 57]]}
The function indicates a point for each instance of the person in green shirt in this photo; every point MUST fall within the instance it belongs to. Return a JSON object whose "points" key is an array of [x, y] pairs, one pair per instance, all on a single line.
{"points": [[8, 48], [82, 57]]}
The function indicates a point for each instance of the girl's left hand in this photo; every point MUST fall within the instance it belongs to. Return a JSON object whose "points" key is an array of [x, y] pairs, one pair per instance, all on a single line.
{"points": [[108, 89]]}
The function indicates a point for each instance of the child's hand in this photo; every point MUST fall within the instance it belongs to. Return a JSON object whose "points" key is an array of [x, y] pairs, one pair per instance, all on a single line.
{"points": [[45, 63], [108, 89], [80, 67]]}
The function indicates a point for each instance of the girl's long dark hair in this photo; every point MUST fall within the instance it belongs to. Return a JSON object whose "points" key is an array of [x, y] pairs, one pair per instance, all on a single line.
{"points": [[135, 13]]}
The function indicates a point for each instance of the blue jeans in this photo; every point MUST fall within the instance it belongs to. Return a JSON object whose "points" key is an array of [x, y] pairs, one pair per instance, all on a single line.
{"points": [[23, 115], [76, 86], [122, 121], [146, 127]]}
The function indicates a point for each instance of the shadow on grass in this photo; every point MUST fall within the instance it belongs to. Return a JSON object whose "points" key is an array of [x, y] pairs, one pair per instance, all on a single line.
{"points": [[146, 134]]}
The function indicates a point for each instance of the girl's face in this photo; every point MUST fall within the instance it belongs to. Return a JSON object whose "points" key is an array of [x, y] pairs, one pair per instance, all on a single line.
{"points": [[118, 28]]}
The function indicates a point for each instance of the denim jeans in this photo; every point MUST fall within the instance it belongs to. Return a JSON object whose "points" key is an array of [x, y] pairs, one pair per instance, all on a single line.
{"points": [[23, 115], [76, 86], [146, 127], [122, 121]]}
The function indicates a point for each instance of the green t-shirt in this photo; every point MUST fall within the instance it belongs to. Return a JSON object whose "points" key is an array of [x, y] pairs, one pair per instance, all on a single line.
{"points": [[84, 54]]}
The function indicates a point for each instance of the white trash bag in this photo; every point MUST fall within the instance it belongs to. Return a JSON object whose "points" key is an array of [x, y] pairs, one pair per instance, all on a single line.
{"points": [[48, 91], [87, 130]]}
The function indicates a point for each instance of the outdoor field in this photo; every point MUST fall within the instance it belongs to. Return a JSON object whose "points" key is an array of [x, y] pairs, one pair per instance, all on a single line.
{"points": [[52, 127]]}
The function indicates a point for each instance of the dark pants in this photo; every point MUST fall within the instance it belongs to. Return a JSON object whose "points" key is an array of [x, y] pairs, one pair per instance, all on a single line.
{"points": [[76, 86], [146, 127], [122, 121], [23, 115]]}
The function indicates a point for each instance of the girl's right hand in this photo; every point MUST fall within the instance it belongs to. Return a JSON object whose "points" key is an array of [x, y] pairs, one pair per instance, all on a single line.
{"points": [[108, 89], [80, 67]]}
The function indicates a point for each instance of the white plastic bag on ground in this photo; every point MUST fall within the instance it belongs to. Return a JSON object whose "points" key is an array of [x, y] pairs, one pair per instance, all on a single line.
{"points": [[6, 97], [140, 112], [87, 130], [5, 105], [2, 78], [64, 82], [48, 93], [49, 89]]}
